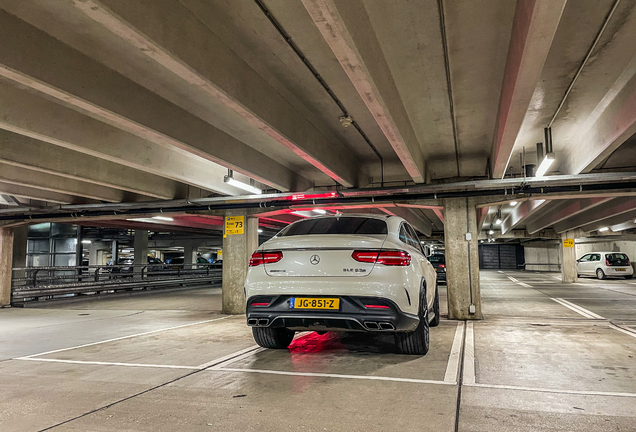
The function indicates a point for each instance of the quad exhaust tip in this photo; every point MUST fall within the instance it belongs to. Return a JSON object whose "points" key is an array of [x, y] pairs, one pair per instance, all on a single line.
{"points": [[372, 325], [254, 322]]}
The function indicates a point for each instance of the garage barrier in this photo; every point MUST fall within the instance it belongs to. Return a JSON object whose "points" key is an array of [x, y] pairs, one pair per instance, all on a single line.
{"points": [[45, 283]]}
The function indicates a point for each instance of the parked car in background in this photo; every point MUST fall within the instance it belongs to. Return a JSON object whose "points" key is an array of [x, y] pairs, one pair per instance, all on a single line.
{"points": [[365, 273], [439, 262], [180, 261], [605, 264]]}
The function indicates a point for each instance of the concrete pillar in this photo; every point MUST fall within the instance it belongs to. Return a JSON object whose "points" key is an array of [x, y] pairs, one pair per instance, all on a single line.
{"points": [[237, 250], [568, 257], [462, 258], [115, 252], [141, 251], [6, 263], [190, 255], [20, 249]]}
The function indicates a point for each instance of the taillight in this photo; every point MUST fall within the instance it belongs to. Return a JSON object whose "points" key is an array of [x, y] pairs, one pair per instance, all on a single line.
{"points": [[259, 258], [389, 257], [442, 266], [607, 262], [629, 262]]}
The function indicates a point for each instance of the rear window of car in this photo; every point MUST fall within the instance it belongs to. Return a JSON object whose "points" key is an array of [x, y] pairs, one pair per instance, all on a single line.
{"points": [[617, 258], [335, 225], [437, 259]]}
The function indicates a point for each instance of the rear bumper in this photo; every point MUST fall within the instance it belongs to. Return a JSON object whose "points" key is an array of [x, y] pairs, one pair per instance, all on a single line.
{"points": [[619, 271], [352, 316]]}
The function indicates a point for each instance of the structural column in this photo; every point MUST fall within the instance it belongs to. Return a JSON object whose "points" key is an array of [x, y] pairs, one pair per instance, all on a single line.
{"points": [[237, 250], [462, 258], [20, 249], [6, 263], [568, 257], [189, 255], [141, 251]]}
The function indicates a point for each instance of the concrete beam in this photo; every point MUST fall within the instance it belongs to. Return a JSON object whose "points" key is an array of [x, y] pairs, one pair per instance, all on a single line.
{"points": [[611, 222], [20, 151], [566, 210], [520, 234], [190, 50], [521, 212], [611, 123], [61, 185], [533, 30], [28, 114], [102, 93], [40, 195], [611, 209], [347, 30], [416, 220]]}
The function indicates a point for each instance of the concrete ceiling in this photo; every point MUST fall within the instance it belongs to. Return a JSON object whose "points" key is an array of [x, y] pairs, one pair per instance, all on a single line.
{"points": [[113, 100]]}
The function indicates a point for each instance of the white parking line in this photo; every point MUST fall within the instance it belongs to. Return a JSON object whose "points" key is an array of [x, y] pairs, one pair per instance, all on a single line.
{"points": [[523, 284], [235, 358], [546, 390], [578, 309], [107, 363], [454, 358], [622, 330], [326, 375], [122, 338], [469, 356]]}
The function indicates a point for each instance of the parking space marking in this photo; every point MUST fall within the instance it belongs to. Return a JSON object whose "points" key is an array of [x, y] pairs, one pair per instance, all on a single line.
{"points": [[622, 330], [122, 338], [107, 363], [523, 284], [469, 355], [326, 375], [453, 360], [547, 390], [578, 309]]}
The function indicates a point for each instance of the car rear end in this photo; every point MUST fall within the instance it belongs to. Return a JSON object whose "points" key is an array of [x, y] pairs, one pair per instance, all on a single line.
{"points": [[618, 265], [330, 274]]}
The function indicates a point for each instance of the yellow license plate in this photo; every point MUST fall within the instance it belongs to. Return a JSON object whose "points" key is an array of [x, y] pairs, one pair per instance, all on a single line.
{"points": [[620, 269], [314, 303]]}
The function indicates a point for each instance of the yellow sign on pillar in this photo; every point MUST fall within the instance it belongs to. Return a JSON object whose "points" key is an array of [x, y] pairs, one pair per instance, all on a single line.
{"points": [[568, 243], [234, 225]]}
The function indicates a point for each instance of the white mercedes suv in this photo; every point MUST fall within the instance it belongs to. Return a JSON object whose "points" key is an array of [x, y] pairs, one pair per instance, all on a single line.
{"points": [[343, 273]]}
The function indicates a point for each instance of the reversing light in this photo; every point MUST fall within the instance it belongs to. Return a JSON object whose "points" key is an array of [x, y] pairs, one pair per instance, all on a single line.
{"points": [[259, 258]]}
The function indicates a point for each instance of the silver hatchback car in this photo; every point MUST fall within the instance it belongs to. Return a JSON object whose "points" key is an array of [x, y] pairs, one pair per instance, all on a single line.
{"points": [[605, 264]]}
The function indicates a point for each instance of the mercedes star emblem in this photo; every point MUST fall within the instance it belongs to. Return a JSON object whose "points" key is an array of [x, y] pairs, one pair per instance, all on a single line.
{"points": [[315, 259]]}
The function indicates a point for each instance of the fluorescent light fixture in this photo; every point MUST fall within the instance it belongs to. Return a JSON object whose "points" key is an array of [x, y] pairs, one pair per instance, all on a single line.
{"points": [[260, 230], [246, 187], [163, 218], [126, 250], [491, 232], [86, 242], [320, 211], [603, 229], [513, 203], [545, 164], [498, 221]]}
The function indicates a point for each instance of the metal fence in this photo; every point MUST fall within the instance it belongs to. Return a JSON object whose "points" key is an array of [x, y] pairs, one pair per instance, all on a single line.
{"points": [[39, 283]]}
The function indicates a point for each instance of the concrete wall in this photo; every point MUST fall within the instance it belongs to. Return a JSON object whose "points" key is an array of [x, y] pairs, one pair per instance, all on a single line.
{"points": [[627, 247], [541, 254]]}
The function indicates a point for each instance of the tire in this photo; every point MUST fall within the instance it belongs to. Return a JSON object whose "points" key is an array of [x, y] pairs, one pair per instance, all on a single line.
{"points": [[600, 274], [436, 311], [416, 342], [629, 277], [273, 338]]}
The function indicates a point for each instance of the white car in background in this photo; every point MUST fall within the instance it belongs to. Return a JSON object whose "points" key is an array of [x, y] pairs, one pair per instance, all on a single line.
{"points": [[343, 273], [605, 264]]}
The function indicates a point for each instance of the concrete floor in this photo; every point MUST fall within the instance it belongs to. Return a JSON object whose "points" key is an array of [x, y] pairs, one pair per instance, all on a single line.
{"points": [[548, 357]]}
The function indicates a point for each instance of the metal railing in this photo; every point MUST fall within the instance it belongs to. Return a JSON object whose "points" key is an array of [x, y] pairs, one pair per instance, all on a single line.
{"points": [[37, 283]]}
